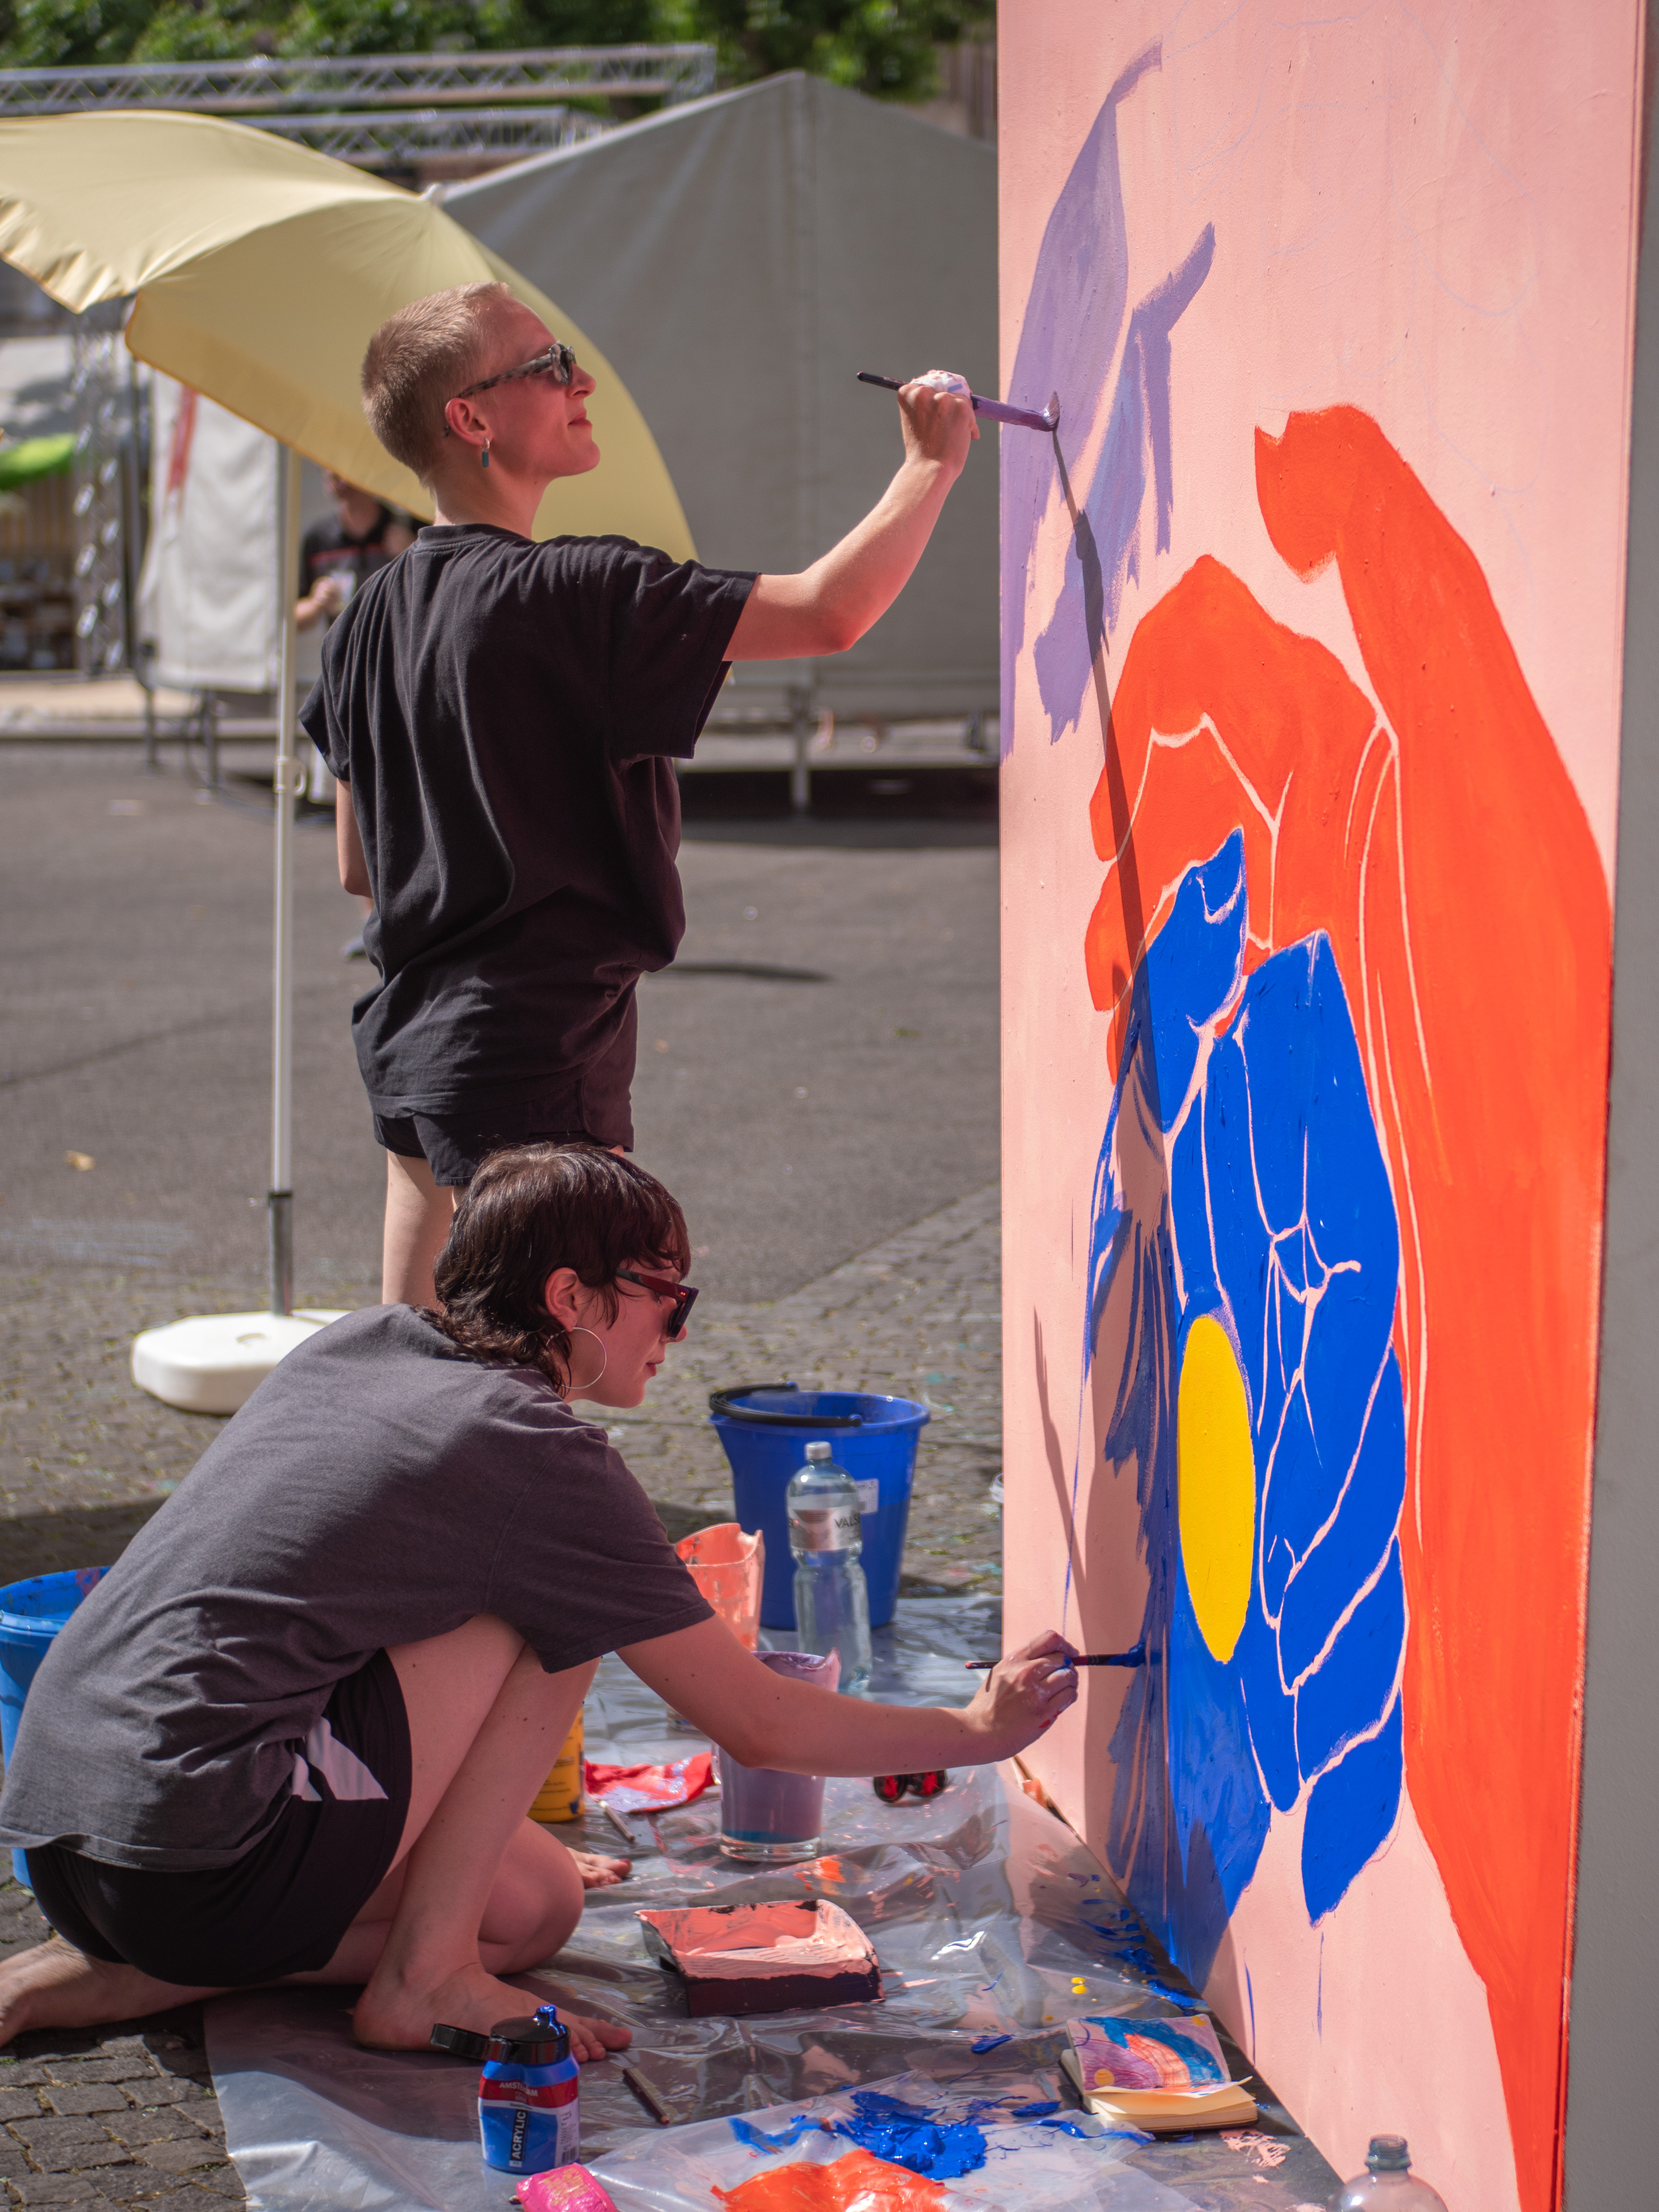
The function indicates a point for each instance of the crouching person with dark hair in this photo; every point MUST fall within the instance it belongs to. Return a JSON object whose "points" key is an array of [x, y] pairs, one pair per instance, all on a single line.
{"points": [[294, 1734]]}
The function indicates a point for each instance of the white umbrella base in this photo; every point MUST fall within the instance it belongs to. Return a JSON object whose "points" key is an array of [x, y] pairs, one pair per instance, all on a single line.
{"points": [[213, 1363]]}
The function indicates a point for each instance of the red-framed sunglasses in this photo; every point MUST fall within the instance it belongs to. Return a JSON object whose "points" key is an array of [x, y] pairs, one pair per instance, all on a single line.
{"points": [[889, 1788], [683, 1296]]}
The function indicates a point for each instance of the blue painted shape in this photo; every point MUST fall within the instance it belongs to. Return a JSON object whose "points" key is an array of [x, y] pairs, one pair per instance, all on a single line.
{"points": [[984, 2043], [1280, 1224], [1351, 1804], [1191, 968], [1366, 1514], [1348, 1692]]}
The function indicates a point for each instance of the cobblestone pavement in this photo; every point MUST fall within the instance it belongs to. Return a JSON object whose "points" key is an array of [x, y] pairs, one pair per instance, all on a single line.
{"points": [[123, 2115], [86, 1458]]}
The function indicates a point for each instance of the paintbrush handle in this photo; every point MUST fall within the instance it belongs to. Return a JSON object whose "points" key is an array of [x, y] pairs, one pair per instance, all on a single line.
{"points": [[998, 409]]}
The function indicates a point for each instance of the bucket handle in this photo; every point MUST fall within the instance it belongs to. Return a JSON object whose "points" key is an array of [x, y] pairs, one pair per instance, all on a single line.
{"points": [[723, 1404]]}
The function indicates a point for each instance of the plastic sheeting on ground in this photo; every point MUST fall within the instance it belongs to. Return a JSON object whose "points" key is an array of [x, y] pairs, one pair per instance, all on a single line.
{"points": [[992, 1926]]}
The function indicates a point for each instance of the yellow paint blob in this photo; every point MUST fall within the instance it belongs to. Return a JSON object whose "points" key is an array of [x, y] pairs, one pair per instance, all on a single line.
{"points": [[1215, 1475]]}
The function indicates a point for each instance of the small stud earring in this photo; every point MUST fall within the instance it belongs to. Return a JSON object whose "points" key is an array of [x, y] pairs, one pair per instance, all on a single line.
{"points": [[484, 455]]}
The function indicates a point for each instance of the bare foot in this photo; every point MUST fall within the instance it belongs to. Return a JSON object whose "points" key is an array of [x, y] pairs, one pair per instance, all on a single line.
{"points": [[599, 1872], [394, 2017], [55, 1985]]}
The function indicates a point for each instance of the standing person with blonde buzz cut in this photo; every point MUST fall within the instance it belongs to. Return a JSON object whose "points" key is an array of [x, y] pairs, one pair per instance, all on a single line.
{"points": [[502, 717]]}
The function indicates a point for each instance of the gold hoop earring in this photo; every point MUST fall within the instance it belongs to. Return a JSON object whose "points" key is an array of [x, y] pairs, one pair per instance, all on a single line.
{"points": [[571, 1389]]}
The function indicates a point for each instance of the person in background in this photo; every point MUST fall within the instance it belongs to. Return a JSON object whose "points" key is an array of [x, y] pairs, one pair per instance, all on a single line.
{"points": [[335, 556], [336, 553]]}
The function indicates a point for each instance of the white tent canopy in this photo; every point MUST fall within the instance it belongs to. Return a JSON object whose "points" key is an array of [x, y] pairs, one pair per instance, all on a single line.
{"points": [[740, 260]]}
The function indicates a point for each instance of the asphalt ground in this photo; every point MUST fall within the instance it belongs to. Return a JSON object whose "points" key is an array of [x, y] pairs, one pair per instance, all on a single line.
{"points": [[818, 1073]]}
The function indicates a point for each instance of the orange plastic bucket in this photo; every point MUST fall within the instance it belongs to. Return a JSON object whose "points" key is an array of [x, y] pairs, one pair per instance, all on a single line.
{"points": [[728, 1567]]}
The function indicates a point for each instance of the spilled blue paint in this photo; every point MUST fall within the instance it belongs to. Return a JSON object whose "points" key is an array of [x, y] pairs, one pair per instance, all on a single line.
{"points": [[754, 2138], [984, 2043], [1068, 338], [906, 2134], [1242, 1179]]}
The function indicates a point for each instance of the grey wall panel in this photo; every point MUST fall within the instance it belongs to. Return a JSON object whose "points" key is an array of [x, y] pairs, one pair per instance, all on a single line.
{"points": [[1614, 2044], [740, 260]]}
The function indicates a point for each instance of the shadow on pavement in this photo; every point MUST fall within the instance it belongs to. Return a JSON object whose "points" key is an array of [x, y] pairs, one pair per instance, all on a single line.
{"points": [[82, 1536], [894, 806]]}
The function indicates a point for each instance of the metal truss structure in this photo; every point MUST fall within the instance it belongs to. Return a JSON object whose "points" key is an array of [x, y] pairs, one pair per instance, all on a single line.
{"points": [[251, 90], [399, 139], [105, 459]]}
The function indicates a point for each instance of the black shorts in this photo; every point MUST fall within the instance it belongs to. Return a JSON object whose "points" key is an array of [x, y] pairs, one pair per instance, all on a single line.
{"points": [[456, 1145], [283, 1907]]}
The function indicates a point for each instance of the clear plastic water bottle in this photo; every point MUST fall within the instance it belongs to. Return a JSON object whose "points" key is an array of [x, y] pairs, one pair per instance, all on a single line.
{"points": [[1388, 2185], [832, 1605]]}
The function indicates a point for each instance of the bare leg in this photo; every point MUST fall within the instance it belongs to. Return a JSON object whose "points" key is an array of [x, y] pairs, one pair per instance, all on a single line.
{"points": [[418, 1213], [478, 1889], [53, 1985]]}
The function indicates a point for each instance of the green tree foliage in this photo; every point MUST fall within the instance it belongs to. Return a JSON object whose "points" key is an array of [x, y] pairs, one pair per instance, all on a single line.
{"points": [[884, 47], [881, 47]]}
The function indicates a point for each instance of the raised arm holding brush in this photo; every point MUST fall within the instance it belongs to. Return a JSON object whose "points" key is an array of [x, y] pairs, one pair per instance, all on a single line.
{"points": [[502, 715]]}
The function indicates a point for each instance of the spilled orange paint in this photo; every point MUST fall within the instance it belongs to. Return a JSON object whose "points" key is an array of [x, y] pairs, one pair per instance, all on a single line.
{"points": [[857, 2183], [1446, 853]]}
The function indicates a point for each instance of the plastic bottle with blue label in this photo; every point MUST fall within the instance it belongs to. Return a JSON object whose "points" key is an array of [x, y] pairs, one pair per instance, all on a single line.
{"points": [[1388, 2185], [529, 2107], [826, 1534]]}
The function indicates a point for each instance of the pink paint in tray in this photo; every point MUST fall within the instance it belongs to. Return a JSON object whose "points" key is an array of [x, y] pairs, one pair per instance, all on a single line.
{"points": [[736, 1959]]}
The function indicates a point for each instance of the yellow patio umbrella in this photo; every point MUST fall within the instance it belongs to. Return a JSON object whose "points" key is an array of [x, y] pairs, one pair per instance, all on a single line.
{"points": [[261, 270], [258, 272]]}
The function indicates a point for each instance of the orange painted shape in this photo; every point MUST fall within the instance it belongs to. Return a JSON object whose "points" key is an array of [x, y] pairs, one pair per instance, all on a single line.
{"points": [[857, 2183], [1449, 858]]}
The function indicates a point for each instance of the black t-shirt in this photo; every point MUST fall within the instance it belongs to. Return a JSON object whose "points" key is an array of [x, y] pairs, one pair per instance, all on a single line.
{"points": [[329, 548], [505, 714], [380, 1487]]}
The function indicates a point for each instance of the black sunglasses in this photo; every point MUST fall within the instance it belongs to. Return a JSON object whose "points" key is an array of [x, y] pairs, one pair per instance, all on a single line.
{"points": [[559, 363], [683, 1296]]}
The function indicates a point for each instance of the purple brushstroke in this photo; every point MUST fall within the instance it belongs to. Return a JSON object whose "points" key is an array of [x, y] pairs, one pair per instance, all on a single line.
{"points": [[1106, 538], [1073, 317]]}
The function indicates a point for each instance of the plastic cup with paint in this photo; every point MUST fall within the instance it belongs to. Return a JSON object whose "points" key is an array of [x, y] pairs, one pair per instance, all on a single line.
{"points": [[766, 1815]]}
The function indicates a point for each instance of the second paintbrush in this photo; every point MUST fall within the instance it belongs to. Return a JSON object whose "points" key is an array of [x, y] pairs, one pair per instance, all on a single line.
{"points": [[1135, 1656]]}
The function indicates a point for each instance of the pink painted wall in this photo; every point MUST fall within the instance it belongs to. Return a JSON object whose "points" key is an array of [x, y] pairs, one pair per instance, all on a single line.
{"points": [[1306, 988]]}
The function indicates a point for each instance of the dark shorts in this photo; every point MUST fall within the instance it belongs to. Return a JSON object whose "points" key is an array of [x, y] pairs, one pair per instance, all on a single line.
{"points": [[283, 1907], [456, 1145]]}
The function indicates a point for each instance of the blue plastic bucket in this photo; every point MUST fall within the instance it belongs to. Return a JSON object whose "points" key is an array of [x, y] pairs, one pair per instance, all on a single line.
{"points": [[766, 1429], [31, 1614]]}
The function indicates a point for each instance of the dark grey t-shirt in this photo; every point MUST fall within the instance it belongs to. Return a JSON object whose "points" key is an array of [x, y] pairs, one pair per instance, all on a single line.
{"points": [[380, 1487]]}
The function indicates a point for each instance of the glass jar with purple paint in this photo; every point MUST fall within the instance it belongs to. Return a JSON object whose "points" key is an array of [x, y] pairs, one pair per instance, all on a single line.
{"points": [[767, 1815]]}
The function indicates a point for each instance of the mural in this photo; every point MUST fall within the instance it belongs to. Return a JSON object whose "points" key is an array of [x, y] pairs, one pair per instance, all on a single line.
{"points": [[1334, 1028]]}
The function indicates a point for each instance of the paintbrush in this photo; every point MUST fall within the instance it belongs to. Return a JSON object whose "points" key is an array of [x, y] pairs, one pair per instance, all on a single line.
{"points": [[998, 409], [1134, 1656]]}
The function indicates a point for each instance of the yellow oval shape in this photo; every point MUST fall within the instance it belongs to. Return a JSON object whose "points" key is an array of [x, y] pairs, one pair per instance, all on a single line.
{"points": [[1215, 1484]]}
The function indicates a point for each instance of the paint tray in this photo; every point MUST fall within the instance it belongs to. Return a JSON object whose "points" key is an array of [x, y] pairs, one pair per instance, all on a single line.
{"points": [[738, 1958]]}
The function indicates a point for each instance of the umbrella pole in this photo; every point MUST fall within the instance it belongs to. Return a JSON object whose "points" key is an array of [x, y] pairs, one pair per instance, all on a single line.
{"points": [[288, 781]]}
